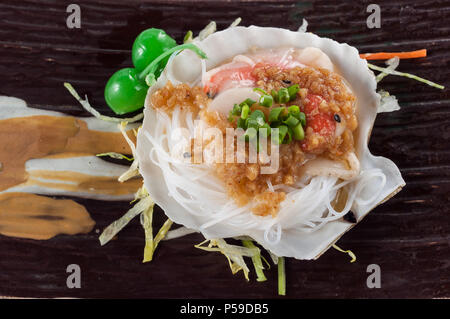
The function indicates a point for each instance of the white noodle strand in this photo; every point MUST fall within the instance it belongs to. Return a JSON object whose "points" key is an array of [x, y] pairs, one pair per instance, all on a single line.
{"points": [[308, 203]]}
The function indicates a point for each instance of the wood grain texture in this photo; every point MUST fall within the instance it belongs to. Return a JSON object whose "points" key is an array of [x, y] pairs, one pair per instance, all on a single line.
{"points": [[408, 236]]}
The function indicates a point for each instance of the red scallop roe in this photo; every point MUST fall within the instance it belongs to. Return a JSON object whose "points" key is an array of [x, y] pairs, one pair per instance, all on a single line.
{"points": [[236, 77], [321, 122], [240, 76]]}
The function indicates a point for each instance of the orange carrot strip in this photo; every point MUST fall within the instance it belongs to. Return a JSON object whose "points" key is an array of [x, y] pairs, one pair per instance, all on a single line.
{"points": [[388, 55]]}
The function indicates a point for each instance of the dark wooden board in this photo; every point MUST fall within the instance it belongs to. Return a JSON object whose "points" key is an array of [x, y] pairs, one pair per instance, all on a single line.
{"points": [[407, 236]]}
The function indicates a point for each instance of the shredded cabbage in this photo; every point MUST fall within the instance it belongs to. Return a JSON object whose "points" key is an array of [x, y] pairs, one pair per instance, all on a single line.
{"points": [[207, 31], [281, 276], [257, 262], [87, 106], [265, 260], [349, 252], [188, 37], [235, 22], [274, 258], [141, 193], [388, 102], [133, 170], [146, 222], [162, 232], [116, 156], [303, 27], [408, 75], [144, 203], [234, 254], [179, 232], [392, 65]]}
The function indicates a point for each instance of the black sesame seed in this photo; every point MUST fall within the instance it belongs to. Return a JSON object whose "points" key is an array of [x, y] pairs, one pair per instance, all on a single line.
{"points": [[350, 217], [286, 81], [210, 95], [186, 154], [337, 118]]}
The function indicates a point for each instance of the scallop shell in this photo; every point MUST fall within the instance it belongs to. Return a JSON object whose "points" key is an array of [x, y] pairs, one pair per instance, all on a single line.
{"points": [[296, 240]]}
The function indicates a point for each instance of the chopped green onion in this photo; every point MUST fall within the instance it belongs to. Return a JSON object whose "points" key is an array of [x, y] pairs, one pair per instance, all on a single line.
{"points": [[275, 114], [250, 133], [288, 138], [283, 95], [261, 121], [261, 91], [237, 109], [248, 101], [259, 116], [293, 90], [264, 130], [298, 132], [281, 277], [241, 123], [266, 100], [274, 95], [294, 110], [245, 111], [282, 131], [302, 118], [291, 121], [251, 123], [284, 115]]}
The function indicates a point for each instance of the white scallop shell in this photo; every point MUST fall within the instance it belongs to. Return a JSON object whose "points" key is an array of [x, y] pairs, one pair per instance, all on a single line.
{"points": [[296, 241]]}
